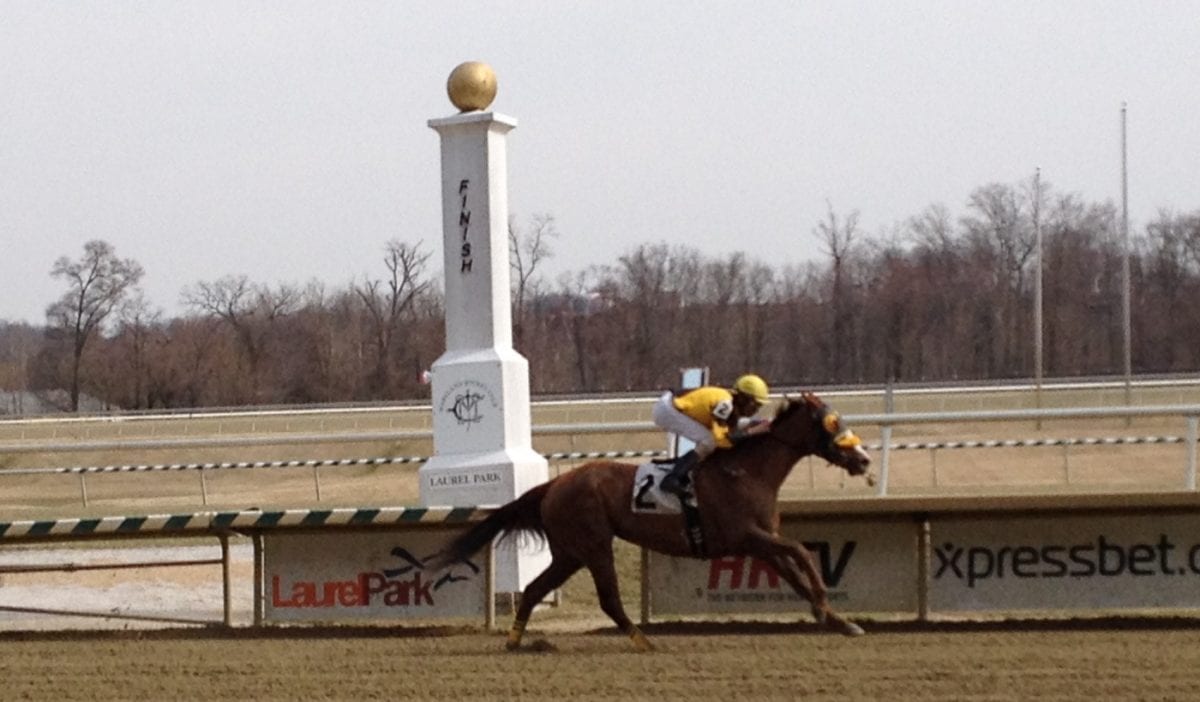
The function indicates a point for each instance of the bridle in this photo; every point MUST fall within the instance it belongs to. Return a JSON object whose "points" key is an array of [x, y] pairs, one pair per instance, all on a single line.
{"points": [[785, 442], [833, 437]]}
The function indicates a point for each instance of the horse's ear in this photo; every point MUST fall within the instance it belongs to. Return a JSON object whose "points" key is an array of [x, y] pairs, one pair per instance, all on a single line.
{"points": [[782, 406]]}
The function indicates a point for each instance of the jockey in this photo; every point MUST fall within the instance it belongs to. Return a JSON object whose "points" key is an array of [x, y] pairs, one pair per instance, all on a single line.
{"points": [[709, 417]]}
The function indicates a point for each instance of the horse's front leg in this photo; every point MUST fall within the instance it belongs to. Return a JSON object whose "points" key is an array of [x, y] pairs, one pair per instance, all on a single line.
{"points": [[789, 559]]}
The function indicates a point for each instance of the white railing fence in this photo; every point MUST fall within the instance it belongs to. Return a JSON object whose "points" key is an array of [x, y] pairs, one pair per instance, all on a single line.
{"points": [[884, 423]]}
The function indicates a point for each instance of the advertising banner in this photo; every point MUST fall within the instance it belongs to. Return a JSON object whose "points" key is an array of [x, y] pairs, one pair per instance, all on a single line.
{"points": [[868, 566], [1064, 562], [338, 576]]}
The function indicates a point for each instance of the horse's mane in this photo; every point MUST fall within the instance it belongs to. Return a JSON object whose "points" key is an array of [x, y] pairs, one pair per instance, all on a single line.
{"points": [[789, 406]]}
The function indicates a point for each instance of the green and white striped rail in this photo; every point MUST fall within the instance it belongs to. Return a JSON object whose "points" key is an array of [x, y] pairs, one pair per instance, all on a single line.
{"points": [[220, 522], [590, 455], [312, 463]]}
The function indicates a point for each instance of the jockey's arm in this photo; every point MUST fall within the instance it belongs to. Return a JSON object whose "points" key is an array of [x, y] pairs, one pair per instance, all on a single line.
{"points": [[723, 437], [748, 427]]}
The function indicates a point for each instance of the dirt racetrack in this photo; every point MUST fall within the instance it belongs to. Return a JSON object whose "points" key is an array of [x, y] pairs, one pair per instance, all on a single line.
{"points": [[573, 653], [1146, 660]]}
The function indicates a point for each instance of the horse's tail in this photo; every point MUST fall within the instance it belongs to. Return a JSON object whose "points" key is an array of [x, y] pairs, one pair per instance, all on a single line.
{"points": [[521, 516]]}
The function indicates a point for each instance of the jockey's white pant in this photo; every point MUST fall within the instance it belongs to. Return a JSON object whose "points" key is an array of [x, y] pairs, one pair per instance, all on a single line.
{"points": [[666, 417]]}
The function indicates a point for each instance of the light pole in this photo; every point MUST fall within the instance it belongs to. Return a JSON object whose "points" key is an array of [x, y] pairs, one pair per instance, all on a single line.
{"points": [[1126, 321], [1037, 292]]}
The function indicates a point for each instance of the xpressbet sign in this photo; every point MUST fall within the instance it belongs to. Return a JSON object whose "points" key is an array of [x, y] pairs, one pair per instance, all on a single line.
{"points": [[1065, 562]]}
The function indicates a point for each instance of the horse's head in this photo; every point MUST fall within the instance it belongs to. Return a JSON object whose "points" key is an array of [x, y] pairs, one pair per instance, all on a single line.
{"points": [[814, 428]]}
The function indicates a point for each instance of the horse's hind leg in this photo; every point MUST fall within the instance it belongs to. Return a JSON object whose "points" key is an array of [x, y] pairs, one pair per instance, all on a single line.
{"points": [[561, 568], [604, 575], [789, 558]]}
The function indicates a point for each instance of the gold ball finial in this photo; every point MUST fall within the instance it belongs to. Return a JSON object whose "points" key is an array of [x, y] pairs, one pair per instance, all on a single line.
{"points": [[471, 86]]}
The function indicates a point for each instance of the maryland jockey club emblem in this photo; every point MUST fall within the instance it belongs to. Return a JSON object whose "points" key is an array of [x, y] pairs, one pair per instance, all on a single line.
{"points": [[466, 408], [469, 402]]}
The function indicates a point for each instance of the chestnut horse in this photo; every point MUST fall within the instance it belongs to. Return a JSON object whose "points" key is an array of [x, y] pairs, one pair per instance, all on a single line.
{"points": [[579, 513]]}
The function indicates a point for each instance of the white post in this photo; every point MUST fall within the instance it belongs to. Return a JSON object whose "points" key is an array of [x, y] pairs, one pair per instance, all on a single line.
{"points": [[482, 432], [689, 379], [885, 441], [1191, 453]]}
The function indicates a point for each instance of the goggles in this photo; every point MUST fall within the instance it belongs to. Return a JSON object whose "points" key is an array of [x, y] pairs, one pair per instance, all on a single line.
{"points": [[842, 438]]}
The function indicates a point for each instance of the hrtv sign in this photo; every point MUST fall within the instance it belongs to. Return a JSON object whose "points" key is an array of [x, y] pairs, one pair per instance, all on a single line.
{"points": [[748, 573], [866, 566]]}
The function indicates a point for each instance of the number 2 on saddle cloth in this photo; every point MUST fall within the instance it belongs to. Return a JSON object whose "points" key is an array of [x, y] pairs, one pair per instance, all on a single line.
{"points": [[650, 498]]}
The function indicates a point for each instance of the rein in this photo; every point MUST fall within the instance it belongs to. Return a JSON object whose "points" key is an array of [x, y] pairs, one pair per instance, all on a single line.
{"points": [[841, 438], [787, 443]]}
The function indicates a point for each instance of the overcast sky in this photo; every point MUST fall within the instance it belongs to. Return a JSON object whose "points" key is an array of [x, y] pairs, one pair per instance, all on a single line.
{"points": [[288, 141]]}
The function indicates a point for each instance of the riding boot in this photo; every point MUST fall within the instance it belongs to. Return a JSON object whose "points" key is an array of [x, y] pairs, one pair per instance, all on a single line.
{"points": [[676, 482]]}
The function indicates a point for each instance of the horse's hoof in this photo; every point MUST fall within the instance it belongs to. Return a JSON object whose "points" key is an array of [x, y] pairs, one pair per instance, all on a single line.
{"points": [[542, 646], [640, 643], [515, 634], [852, 629]]}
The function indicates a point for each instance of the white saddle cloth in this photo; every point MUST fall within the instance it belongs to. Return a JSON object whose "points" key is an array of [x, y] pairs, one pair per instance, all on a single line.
{"points": [[648, 497]]}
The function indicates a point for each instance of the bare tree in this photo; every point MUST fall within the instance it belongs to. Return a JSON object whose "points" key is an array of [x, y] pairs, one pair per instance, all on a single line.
{"points": [[249, 310], [656, 285], [185, 372], [999, 228], [756, 314], [937, 298], [388, 301], [722, 292], [527, 250], [932, 230], [96, 284], [1172, 261], [139, 326], [838, 239], [572, 331], [19, 344]]}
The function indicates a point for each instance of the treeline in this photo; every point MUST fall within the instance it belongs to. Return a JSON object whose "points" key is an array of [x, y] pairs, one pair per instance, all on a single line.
{"points": [[938, 297]]}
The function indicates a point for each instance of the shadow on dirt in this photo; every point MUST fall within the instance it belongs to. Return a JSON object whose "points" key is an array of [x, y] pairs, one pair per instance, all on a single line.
{"points": [[736, 628]]}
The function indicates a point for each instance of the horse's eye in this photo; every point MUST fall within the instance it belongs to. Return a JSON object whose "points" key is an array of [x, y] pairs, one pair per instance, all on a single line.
{"points": [[831, 422]]}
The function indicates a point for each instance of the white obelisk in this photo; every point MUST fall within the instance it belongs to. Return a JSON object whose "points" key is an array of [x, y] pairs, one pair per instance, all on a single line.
{"points": [[482, 432]]}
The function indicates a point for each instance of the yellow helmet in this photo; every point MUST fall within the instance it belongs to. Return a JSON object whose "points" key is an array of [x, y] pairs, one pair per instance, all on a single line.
{"points": [[753, 386]]}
